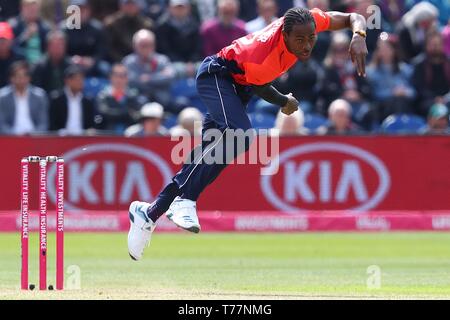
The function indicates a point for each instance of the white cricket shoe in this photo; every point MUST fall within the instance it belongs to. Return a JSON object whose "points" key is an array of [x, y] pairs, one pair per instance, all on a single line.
{"points": [[183, 212], [141, 229]]}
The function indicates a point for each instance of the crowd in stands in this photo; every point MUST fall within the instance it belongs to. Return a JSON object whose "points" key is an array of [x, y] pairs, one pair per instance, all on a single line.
{"points": [[129, 67]]}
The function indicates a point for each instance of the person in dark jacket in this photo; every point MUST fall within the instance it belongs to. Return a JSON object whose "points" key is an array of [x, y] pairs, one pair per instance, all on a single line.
{"points": [[431, 76], [119, 105], [70, 112], [48, 74], [121, 27], [86, 44]]}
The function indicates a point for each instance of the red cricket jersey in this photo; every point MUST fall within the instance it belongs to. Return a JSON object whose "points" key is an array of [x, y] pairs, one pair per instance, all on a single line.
{"points": [[263, 55]]}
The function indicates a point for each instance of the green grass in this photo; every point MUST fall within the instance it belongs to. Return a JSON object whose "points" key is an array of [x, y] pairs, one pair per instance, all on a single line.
{"points": [[234, 266]]}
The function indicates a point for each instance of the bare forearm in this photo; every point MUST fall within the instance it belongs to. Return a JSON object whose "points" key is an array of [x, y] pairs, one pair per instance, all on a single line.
{"points": [[357, 22], [270, 94]]}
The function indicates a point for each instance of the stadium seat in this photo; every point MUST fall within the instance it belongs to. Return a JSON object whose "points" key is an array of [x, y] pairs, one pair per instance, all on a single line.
{"points": [[170, 121], [403, 124], [314, 121], [262, 120], [184, 88], [93, 86], [262, 106]]}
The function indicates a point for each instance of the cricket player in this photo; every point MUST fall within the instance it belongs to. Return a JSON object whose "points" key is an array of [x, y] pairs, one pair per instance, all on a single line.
{"points": [[225, 83]]}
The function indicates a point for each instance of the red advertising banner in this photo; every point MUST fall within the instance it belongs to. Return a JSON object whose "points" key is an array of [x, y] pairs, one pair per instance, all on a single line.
{"points": [[314, 174]]}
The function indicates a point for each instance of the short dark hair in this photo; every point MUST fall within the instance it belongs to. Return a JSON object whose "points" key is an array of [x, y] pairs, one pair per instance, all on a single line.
{"points": [[17, 66], [296, 16]]}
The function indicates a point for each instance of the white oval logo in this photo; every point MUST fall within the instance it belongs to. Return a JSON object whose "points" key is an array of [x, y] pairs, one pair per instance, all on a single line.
{"points": [[318, 180], [106, 180]]}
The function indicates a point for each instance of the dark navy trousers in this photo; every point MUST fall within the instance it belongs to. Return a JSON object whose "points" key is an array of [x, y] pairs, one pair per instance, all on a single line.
{"points": [[226, 103]]}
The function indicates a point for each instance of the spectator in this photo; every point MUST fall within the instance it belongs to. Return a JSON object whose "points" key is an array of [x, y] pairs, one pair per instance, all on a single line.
{"points": [[7, 54], [291, 125], [178, 37], [431, 76], [150, 72], [150, 122], [48, 74], [390, 80], [391, 12], [102, 12], [121, 27], [438, 120], [30, 31], [221, 31], [413, 28], [323, 38], [70, 112], [189, 123], [119, 105], [54, 11], [23, 107], [86, 44], [340, 121], [267, 13], [341, 81]]}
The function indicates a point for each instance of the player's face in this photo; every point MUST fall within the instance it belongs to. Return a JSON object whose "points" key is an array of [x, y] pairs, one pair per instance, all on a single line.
{"points": [[301, 40]]}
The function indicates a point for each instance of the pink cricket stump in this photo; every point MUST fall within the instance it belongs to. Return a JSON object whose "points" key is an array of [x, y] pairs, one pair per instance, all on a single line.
{"points": [[43, 224], [60, 224], [24, 217]]}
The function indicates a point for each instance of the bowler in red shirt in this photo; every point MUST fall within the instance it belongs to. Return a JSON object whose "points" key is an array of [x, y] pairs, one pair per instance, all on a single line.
{"points": [[225, 82]]}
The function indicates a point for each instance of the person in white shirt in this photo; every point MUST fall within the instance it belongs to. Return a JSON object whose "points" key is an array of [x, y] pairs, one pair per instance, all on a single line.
{"points": [[23, 107], [267, 13]]}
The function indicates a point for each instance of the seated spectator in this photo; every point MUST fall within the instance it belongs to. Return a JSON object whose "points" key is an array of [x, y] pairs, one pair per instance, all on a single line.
{"points": [[391, 12], [413, 28], [86, 44], [150, 72], [8, 55], [438, 118], [431, 76], [150, 122], [23, 107], [390, 80], [121, 27], [189, 123], [340, 119], [178, 37], [221, 31], [119, 105], [54, 11], [70, 112], [30, 31], [292, 125], [341, 81], [267, 13], [48, 74]]}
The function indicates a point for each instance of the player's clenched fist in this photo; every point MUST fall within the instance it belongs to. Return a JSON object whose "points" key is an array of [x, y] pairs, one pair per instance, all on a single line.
{"points": [[291, 106]]}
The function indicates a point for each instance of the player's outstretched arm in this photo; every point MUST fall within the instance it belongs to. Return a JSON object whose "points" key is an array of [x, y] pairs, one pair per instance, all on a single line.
{"points": [[358, 48]]}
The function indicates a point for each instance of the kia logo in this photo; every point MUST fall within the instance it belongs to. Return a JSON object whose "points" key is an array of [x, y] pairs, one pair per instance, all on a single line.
{"points": [[109, 176], [326, 176]]}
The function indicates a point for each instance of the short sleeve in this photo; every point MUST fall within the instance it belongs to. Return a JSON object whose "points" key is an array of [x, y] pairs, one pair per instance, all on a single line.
{"points": [[322, 19]]}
